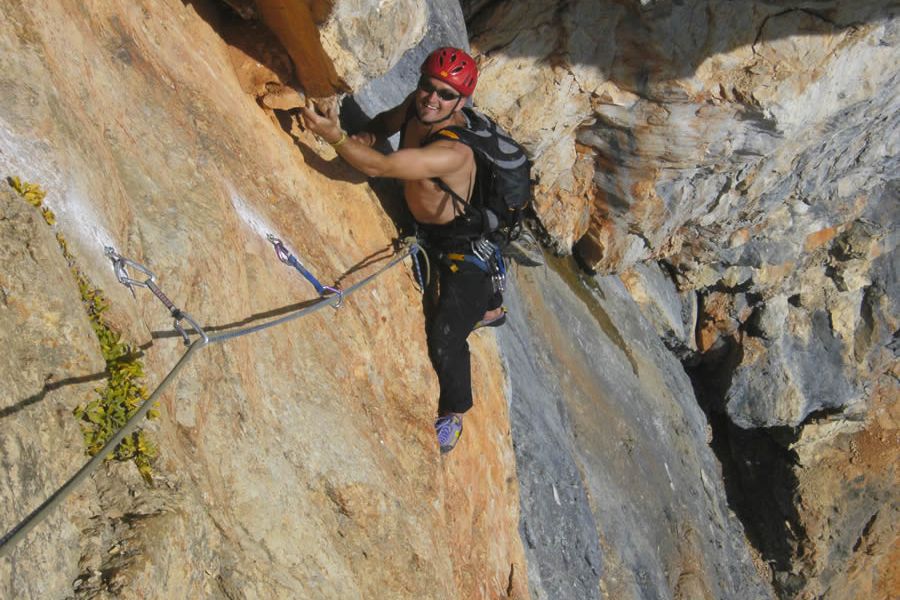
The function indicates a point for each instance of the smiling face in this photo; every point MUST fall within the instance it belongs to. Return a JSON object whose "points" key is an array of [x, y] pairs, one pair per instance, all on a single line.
{"points": [[436, 100]]}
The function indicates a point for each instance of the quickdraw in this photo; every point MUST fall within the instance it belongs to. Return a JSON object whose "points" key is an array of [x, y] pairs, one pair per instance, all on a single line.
{"points": [[486, 256], [416, 253], [287, 258], [120, 267]]}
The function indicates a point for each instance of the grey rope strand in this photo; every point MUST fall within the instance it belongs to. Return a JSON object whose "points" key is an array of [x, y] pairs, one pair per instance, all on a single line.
{"points": [[40, 513]]}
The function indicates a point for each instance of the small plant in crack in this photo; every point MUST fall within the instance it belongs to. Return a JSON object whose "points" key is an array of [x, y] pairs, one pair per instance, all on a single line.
{"points": [[123, 393]]}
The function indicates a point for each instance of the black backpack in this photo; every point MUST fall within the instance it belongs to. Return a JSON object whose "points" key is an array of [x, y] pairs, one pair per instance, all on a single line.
{"points": [[503, 184]]}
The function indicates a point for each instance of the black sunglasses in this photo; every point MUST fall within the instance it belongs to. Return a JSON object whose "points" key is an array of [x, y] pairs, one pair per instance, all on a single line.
{"points": [[426, 86]]}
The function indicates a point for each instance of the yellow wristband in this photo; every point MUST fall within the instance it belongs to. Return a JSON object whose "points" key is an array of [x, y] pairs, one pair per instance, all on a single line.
{"points": [[340, 141]]}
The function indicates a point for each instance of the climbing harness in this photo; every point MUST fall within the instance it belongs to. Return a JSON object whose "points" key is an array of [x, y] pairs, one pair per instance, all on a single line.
{"points": [[328, 297], [486, 256], [289, 259]]}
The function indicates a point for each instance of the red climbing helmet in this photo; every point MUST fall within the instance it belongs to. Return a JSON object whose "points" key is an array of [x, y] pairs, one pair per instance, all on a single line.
{"points": [[454, 67]]}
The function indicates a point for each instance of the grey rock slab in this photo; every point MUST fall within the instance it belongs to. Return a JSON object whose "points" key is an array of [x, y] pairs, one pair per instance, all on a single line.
{"points": [[672, 313], [619, 490], [445, 28]]}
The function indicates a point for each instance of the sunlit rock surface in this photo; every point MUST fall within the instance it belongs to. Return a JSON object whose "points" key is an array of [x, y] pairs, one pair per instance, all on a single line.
{"points": [[750, 147], [736, 142], [694, 111], [51, 363], [298, 463]]}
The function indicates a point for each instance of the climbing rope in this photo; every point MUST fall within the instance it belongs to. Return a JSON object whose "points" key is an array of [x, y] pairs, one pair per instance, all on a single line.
{"points": [[328, 297]]}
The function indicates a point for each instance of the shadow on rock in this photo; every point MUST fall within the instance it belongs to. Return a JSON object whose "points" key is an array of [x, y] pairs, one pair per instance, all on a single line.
{"points": [[757, 464]]}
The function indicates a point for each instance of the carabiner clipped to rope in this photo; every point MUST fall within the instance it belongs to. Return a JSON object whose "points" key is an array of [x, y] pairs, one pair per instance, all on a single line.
{"points": [[416, 252], [121, 266], [289, 259]]}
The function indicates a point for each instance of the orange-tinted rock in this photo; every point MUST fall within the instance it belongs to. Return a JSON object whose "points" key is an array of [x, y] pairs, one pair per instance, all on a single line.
{"points": [[261, 64], [716, 319], [297, 462], [565, 208], [819, 238], [294, 23]]}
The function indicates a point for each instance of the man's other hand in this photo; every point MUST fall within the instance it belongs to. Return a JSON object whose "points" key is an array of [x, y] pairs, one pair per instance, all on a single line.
{"points": [[365, 137]]}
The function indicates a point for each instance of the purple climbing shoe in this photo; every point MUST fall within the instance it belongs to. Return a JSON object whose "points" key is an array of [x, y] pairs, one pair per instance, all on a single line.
{"points": [[448, 429], [495, 322]]}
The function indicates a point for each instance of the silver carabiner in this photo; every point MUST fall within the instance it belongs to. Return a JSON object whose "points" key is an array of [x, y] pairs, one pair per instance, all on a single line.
{"points": [[280, 251], [333, 291], [483, 249], [120, 268]]}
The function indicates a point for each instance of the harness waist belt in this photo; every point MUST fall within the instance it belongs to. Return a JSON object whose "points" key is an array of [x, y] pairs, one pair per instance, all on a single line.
{"points": [[469, 258]]}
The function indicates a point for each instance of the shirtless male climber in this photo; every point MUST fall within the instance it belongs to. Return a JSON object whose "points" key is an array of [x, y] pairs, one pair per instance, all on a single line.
{"points": [[438, 181]]}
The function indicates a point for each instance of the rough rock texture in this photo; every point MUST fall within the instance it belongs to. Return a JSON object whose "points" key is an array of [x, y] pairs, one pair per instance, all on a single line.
{"points": [[50, 364], [853, 537], [685, 105], [261, 64], [297, 463], [750, 147], [366, 39], [295, 25], [621, 496], [339, 45], [740, 154], [673, 313], [301, 462]]}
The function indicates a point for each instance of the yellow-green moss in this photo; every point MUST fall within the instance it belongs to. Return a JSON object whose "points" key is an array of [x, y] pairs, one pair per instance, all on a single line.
{"points": [[123, 393]]}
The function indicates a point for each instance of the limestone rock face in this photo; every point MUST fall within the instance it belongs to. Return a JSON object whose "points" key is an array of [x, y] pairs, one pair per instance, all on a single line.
{"points": [[296, 463], [751, 148], [50, 364], [365, 39], [338, 45], [621, 495], [736, 142], [673, 313], [295, 24], [685, 105], [850, 518]]}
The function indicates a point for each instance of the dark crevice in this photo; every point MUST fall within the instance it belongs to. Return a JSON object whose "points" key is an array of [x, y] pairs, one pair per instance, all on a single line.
{"points": [[867, 530], [824, 415], [757, 468]]}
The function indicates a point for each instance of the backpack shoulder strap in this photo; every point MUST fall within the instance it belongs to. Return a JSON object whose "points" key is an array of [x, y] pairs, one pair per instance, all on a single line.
{"points": [[454, 133], [410, 115]]}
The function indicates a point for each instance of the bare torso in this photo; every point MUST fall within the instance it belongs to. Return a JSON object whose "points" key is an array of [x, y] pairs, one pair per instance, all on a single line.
{"points": [[427, 202]]}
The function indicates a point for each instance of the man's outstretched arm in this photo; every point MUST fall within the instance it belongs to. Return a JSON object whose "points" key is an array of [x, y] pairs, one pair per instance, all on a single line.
{"points": [[434, 160]]}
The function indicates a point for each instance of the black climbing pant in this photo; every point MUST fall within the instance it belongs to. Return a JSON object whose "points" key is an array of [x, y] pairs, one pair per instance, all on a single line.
{"points": [[462, 299]]}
